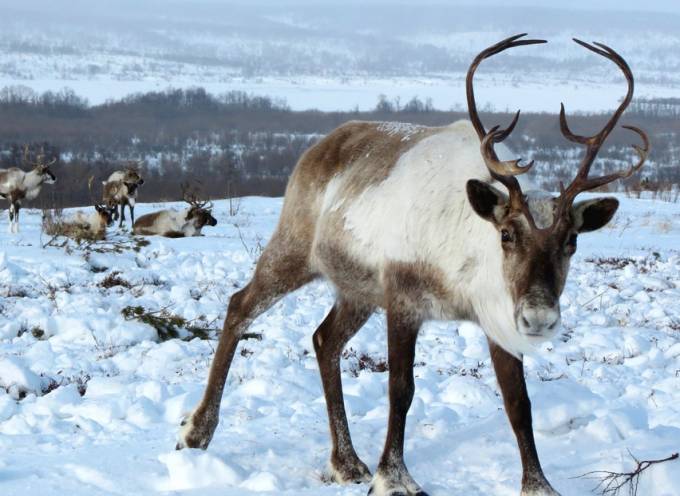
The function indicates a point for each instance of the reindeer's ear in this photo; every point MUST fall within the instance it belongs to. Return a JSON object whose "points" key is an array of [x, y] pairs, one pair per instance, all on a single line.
{"points": [[591, 215], [488, 202]]}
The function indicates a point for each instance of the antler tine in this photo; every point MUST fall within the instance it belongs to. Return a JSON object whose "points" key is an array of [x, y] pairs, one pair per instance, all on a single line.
{"points": [[641, 151], [510, 42], [184, 187], [593, 143], [89, 188], [27, 157], [610, 54], [504, 133], [501, 167]]}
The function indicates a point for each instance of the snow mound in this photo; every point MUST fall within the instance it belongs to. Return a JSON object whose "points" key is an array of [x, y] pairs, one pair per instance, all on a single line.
{"points": [[193, 469], [17, 379]]}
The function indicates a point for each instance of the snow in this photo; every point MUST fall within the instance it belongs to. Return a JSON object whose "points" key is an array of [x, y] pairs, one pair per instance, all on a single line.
{"points": [[90, 403]]}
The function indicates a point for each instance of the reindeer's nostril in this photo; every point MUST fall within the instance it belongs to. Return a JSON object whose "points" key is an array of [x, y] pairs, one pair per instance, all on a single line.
{"points": [[525, 321]]}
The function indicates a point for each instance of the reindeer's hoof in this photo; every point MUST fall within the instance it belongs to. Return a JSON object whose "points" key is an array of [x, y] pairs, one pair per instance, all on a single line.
{"points": [[397, 492], [350, 472], [197, 431], [398, 483], [538, 487]]}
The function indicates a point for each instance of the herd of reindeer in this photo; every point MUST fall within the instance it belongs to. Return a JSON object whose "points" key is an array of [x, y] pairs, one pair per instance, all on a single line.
{"points": [[119, 190], [423, 222]]}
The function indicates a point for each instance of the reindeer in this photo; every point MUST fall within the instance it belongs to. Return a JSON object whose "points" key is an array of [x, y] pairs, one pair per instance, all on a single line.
{"points": [[417, 221], [17, 185], [82, 225], [121, 189], [87, 225], [177, 224]]}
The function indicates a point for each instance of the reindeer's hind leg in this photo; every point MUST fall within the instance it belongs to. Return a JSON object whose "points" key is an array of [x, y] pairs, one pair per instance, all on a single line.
{"points": [[343, 322], [282, 268]]}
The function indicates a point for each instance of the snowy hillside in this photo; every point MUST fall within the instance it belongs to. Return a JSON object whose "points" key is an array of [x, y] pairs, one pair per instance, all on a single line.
{"points": [[90, 401], [335, 56]]}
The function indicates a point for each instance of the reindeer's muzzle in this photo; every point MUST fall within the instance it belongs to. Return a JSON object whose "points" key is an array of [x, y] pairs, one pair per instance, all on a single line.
{"points": [[212, 221], [538, 321]]}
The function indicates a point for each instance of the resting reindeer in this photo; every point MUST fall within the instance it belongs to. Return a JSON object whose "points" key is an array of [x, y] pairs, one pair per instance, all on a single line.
{"points": [[17, 185], [82, 225], [121, 189], [177, 224], [417, 221]]}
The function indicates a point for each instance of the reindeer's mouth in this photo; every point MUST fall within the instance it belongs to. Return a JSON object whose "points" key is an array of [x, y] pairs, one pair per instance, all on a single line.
{"points": [[538, 322]]}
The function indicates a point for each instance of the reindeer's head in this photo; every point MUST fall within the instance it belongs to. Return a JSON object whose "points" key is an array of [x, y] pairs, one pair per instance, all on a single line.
{"points": [[538, 235], [201, 217], [200, 212], [106, 214], [41, 168], [132, 178]]}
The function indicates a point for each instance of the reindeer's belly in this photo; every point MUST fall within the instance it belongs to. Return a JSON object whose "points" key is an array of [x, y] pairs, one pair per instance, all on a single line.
{"points": [[352, 277]]}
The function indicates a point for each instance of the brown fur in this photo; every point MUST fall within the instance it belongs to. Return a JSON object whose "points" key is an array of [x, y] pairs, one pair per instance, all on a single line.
{"points": [[144, 224], [366, 154]]}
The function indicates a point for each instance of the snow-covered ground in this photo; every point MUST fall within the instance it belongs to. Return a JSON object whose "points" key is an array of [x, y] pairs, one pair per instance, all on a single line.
{"points": [[90, 402]]}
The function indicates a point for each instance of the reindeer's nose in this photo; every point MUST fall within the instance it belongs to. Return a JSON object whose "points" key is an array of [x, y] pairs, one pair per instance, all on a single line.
{"points": [[539, 321]]}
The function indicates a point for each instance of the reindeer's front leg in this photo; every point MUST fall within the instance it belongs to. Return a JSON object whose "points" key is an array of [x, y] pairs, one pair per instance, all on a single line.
{"points": [[392, 477], [10, 213], [122, 214], [510, 375]]}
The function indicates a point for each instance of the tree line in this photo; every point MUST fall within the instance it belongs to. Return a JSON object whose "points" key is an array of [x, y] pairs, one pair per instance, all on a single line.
{"points": [[237, 144]]}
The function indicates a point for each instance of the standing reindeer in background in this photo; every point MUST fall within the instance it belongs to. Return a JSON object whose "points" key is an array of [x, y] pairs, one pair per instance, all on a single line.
{"points": [[17, 185], [120, 189], [178, 224], [417, 221]]}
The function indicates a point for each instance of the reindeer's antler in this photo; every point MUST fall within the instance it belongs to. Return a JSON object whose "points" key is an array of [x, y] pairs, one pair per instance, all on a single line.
{"points": [[189, 194], [593, 143], [40, 158], [502, 171], [505, 171], [93, 198]]}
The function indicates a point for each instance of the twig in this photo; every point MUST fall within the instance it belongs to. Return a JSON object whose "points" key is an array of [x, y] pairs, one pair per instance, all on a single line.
{"points": [[610, 483]]}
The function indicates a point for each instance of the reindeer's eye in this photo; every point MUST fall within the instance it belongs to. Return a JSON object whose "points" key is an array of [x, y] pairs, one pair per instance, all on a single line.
{"points": [[506, 237]]}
